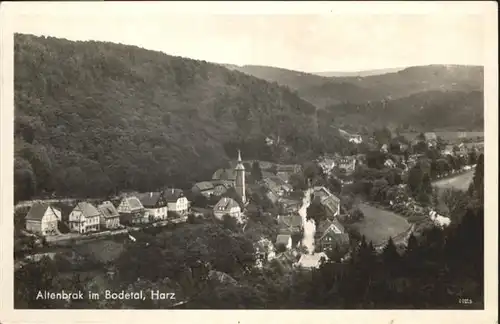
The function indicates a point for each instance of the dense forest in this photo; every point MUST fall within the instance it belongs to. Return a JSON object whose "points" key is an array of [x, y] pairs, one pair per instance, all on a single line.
{"points": [[326, 91], [92, 118], [455, 110]]}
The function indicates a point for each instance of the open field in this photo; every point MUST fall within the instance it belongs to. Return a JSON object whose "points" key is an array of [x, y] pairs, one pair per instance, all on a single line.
{"points": [[460, 182], [380, 224]]}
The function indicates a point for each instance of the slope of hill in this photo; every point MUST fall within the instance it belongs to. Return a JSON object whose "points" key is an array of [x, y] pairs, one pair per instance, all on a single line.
{"points": [[358, 73], [93, 117], [324, 91], [425, 111]]}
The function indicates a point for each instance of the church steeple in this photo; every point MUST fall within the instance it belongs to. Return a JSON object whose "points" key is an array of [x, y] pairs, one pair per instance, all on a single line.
{"points": [[240, 178]]}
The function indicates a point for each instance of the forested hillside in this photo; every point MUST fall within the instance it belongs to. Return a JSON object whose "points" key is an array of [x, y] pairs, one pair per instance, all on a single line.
{"points": [[325, 91], [92, 118], [425, 111]]}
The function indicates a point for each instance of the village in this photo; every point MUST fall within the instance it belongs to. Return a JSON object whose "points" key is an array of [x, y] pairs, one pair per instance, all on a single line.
{"points": [[230, 194]]}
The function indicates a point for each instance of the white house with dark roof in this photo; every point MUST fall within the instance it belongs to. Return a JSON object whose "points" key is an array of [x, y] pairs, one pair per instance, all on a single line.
{"points": [[42, 219], [84, 218], [227, 206], [154, 204], [176, 201], [110, 218], [131, 210]]}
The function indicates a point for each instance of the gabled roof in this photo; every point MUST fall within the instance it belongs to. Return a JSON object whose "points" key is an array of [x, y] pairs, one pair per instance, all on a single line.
{"points": [[311, 260], [226, 204], [224, 174], [225, 183], [204, 185], [288, 167], [87, 209], [292, 220], [221, 277], [283, 239], [108, 210], [134, 203], [37, 211], [326, 227], [172, 195], [149, 199]]}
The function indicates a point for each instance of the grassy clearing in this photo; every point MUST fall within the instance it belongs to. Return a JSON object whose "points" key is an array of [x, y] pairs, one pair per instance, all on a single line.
{"points": [[378, 224], [460, 182]]}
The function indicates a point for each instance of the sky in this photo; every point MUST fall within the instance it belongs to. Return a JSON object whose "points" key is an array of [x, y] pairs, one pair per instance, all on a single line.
{"points": [[316, 41]]}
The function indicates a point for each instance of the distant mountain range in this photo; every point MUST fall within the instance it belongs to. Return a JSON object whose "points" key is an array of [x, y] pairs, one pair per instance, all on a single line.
{"points": [[358, 73], [324, 91]]}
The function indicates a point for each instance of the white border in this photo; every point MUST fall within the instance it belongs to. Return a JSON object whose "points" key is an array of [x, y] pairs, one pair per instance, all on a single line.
{"points": [[10, 12]]}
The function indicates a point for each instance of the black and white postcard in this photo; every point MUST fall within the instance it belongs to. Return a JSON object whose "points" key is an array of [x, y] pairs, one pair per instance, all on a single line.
{"points": [[290, 157]]}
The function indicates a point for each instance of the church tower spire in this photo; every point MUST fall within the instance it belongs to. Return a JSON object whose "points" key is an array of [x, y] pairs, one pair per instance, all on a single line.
{"points": [[240, 178]]}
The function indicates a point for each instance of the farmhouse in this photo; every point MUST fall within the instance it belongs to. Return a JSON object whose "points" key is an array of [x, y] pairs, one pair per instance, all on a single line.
{"points": [[110, 218], [431, 139], [330, 235], [356, 139], [42, 219], [347, 163], [284, 240], [155, 205], [277, 186], [84, 218], [131, 211], [225, 174], [221, 186], [290, 205], [227, 206], [204, 188], [176, 201]]}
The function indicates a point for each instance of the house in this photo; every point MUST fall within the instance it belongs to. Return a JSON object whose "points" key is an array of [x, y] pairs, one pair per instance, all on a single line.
{"points": [[267, 174], [290, 205], [356, 139], [330, 235], [439, 220], [389, 164], [384, 148], [225, 174], [326, 164], [131, 211], [272, 196], [204, 188], [290, 223], [284, 240], [176, 201], [327, 199], [155, 205], [448, 150], [84, 218], [42, 219], [347, 163], [284, 171], [310, 261], [430, 139], [221, 186], [227, 206], [277, 186], [110, 217]]}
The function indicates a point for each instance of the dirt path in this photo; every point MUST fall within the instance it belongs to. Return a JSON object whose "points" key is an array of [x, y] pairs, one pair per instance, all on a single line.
{"points": [[309, 227]]}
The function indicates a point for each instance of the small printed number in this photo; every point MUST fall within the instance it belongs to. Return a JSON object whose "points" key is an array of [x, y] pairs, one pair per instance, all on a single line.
{"points": [[465, 301]]}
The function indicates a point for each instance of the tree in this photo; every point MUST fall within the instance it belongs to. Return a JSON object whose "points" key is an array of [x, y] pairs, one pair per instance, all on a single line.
{"points": [[478, 179], [256, 172], [334, 185], [317, 212]]}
